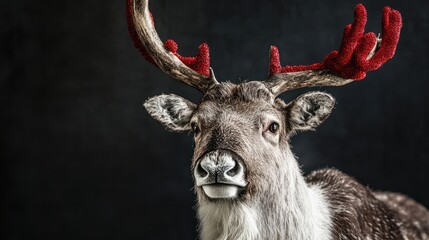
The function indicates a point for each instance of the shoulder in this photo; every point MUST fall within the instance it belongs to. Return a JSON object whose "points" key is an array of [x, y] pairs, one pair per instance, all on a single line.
{"points": [[355, 211], [336, 182], [327, 175], [342, 191]]}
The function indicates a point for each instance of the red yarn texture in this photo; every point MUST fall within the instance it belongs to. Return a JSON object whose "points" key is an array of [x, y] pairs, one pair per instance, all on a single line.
{"points": [[199, 63], [350, 61]]}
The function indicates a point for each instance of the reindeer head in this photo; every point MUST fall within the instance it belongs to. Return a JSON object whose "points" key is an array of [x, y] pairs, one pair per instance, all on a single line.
{"points": [[241, 131]]}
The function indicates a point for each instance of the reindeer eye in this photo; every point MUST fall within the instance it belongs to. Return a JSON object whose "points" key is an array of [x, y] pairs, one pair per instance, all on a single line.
{"points": [[274, 127], [195, 128]]}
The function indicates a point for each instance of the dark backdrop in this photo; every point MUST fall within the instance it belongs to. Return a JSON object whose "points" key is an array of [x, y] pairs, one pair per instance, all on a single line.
{"points": [[83, 160]]}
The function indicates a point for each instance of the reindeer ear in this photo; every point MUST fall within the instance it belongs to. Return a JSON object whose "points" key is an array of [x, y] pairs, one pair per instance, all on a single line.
{"points": [[172, 111], [309, 110]]}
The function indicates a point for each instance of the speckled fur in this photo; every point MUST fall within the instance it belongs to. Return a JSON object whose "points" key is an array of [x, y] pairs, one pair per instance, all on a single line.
{"points": [[359, 213]]}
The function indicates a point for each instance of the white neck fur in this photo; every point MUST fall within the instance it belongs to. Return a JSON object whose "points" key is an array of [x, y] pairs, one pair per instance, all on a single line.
{"points": [[293, 211]]}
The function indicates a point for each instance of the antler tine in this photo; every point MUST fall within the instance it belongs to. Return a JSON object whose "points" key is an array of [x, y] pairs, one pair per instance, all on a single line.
{"points": [[359, 53], [165, 55]]}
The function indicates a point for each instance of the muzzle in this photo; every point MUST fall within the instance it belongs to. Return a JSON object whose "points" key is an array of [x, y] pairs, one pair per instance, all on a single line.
{"points": [[221, 174]]}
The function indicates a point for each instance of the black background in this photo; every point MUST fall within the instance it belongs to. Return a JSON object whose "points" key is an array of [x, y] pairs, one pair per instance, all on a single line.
{"points": [[83, 160]]}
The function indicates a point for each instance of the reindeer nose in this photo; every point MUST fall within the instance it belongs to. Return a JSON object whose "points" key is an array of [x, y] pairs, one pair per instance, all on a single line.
{"points": [[220, 167]]}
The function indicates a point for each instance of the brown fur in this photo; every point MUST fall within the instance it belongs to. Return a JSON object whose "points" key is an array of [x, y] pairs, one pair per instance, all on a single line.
{"points": [[360, 213]]}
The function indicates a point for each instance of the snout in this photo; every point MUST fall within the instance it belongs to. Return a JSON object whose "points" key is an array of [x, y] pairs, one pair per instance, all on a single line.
{"points": [[221, 174]]}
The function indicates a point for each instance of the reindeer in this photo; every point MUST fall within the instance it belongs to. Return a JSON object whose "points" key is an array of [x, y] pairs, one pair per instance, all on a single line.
{"points": [[247, 180]]}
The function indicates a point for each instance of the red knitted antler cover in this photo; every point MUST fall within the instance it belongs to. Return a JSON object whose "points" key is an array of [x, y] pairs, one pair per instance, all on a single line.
{"points": [[351, 60], [199, 63]]}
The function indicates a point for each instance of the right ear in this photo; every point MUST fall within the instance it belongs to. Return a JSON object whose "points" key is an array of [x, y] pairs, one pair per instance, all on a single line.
{"points": [[309, 110], [172, 111]]}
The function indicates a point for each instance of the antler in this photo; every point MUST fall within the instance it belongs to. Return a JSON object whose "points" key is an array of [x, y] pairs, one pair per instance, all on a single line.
{"points": [[358, 54], [194, 71]]}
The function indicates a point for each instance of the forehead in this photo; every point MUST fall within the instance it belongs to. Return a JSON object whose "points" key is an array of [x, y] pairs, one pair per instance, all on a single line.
{"points": [[244, 92], [250, 99]]}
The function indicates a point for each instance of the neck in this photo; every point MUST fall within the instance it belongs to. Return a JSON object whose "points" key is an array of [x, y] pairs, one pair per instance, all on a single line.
{"points": [[289, 209]]}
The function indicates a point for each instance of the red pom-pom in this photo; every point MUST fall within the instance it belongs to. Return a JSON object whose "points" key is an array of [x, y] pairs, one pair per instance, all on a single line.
{"points": [[352, 61], [200, 63]]}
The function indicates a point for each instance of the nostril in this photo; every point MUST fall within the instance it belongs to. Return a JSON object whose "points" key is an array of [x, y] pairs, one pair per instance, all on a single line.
{"points": [[233, 171], [201, 171]]}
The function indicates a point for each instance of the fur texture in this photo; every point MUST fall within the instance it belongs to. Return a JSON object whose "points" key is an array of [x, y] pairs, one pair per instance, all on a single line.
{"points": [[172, 111], [359, 213], [291, 210]]}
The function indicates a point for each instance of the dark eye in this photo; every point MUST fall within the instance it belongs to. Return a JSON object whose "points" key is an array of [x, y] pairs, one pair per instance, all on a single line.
{"points": [[195, 128], [274, 127]]}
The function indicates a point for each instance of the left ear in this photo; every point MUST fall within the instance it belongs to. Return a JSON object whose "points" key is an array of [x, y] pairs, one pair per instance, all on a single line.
{"points": [[172, 111], [309, 110]]}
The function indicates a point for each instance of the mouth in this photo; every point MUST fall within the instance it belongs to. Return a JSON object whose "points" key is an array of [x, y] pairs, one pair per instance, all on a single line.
{"points": [[219, 190]]}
